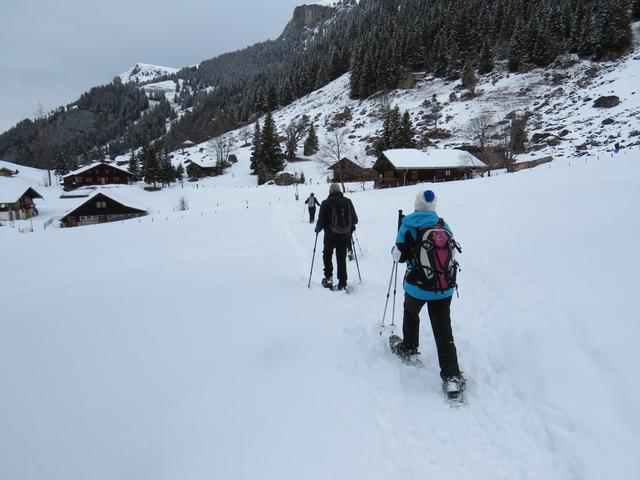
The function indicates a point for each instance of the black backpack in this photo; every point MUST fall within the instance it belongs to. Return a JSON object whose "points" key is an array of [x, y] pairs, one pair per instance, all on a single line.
{"points": [[340, 219]]}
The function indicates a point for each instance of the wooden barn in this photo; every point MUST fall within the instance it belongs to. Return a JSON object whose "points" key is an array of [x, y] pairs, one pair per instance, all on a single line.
{"points": [[102, 208], [17, 203], [347, 171], [97, 174], [201, 169], [408, 166]]}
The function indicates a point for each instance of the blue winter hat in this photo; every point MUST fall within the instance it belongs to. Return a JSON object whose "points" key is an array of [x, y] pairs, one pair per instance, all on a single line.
{"points": [[426, 201]]}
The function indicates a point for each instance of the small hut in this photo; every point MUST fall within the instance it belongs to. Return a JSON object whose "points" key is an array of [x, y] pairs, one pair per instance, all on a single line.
{"points": [[348, 171], [102, 208], [100, 173], [17, 202], [409, 166], [201, 169]]}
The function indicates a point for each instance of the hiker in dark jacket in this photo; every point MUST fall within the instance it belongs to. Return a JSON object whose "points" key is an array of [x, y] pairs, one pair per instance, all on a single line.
{"points": [[338, 219], [311, 203], [438, 302]]}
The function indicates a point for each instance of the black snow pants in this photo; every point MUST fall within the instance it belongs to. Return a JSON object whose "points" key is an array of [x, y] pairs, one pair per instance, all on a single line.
{"points": [[439, 314], [312, 215], [338, 243]]}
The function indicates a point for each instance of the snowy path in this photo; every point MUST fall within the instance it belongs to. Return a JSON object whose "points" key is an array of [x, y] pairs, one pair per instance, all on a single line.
{"points": [[191, 347]]}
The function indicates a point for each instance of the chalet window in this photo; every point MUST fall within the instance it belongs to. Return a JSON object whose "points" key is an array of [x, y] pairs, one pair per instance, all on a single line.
{"points": [[448, 173], [101, 204], [414, 175], [79, 179], [88, 218]]}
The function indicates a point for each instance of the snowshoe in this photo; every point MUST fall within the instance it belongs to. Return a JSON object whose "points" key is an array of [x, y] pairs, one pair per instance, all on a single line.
{"points": [[327, 282], [408, 356], [453, 387]]}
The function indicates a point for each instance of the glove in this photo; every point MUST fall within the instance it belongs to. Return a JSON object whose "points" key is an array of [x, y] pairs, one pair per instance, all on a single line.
{"points": [[318, 231], [353, 228], [396, 254]]}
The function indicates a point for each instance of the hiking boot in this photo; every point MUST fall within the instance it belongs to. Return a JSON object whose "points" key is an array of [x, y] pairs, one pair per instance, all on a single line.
{"points": [[342, 285], [327, 282], [350, 256]]}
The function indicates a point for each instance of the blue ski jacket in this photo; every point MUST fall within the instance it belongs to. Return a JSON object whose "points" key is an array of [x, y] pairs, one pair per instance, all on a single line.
{"points": [[410, 225]]}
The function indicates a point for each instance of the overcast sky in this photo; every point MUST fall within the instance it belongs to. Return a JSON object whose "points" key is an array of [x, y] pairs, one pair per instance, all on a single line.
{"points": [[51, 51]]}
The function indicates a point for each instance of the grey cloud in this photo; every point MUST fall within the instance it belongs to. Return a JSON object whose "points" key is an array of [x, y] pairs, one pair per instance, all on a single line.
{"points": [[51, 52]]}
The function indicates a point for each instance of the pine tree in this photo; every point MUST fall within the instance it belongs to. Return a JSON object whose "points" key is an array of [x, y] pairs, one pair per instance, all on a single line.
{"points": [[167, 174], [311, 145], [179, 172], [150, 167], [134, 166], [390, 130], [255, 148], [271, 156], [61, 165], [469, 79], [406, 133], [543, 51], [516, 50], [611, 29], [485, 64]]}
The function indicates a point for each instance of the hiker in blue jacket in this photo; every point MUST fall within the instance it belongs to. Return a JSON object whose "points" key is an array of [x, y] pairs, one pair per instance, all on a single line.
{"points": [[438, 302]]}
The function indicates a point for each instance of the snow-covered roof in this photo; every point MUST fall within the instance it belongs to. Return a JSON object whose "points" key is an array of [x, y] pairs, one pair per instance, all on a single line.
{"points": [[12, 193], [117, 197], [89, 167], [202, 163], [410, 158]]}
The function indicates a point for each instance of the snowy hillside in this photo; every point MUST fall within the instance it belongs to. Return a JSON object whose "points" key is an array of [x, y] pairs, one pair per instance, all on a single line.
{"points": [[186, 344], [563, 123], [143, 72]]}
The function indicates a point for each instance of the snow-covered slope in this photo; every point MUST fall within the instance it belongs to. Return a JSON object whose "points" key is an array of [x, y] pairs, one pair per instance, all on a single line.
{"points": [[560, 100], [144, 72], [186, 344]]}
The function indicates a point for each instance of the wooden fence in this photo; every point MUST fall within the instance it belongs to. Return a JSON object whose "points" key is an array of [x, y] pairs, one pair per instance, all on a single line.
{"points": [[516, 167]]}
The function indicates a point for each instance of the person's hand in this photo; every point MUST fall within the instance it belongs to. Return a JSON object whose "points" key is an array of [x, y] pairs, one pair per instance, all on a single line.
{"points": [[396, 254]]}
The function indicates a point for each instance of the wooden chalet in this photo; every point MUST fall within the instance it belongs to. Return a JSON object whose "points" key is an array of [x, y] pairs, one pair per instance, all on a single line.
{"points": [[347, 171], [102, 208], [408, 166], [7, 172], [17, 203], [97, 174], [201, 169]]}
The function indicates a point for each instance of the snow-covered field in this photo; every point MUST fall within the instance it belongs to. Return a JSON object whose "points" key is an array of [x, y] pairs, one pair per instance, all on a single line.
{"points": [[185, 345]]}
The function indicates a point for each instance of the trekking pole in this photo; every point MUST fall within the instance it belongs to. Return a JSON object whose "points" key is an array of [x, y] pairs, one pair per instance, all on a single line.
{"points": [[394, 271], [355, 255], [395, 289], [395, 285], [386, 304], [313, 260], [357, 242]]}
